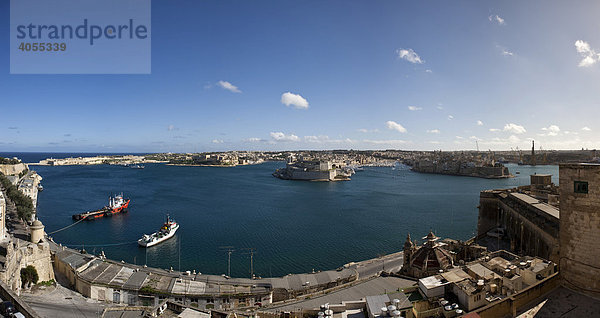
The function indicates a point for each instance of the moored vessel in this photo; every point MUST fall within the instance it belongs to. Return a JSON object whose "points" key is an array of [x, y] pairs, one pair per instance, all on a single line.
{"points": [[116, 204], [166, 231]]}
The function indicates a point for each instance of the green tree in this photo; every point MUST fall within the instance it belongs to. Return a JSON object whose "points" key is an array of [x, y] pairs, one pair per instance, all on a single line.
{"points": [[29, 275], [22, 202]]}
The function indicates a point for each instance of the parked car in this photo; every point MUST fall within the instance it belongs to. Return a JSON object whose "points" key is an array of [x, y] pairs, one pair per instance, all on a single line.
{"points": [[7, 308]]}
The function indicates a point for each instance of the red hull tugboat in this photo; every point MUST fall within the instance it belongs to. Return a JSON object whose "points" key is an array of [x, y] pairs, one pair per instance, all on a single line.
{"points": [[116, 204]]}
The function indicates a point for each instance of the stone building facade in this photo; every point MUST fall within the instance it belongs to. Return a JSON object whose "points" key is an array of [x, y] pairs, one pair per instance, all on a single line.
{"points": [[580, 227], [531, 225]]}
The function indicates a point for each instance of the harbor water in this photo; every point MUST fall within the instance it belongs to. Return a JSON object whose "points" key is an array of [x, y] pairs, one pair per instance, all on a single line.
{"points": [[294, 226]]}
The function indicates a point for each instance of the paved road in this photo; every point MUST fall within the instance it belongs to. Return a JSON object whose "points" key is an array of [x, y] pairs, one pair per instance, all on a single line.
{"points": [[389, 263], [63, 302]]}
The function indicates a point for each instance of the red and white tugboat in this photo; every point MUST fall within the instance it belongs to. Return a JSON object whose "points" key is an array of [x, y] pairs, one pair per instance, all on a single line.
{"points": [[116, 204]]}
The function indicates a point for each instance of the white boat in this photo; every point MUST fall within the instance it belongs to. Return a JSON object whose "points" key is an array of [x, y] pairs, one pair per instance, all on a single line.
{"points": [[167, 230]]}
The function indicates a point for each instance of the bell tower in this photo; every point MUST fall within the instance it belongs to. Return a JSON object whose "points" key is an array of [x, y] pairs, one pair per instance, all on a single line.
{"points": [[409, 247]]}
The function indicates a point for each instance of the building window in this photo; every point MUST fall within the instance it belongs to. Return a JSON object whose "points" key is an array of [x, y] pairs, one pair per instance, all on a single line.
{"points": [[581, 187], [116, 297]]}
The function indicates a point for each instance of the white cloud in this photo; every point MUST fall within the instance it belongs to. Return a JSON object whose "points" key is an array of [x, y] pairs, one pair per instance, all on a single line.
{"points": [[364, 130], [504, 50], [450, 117], [414, 108], [386, 142], [589, 55], [409, 55], [228, 86], [428, 71], [494, 129], [512, 140], [294, 100], [395, 126], [253, 139], [587, 61], [170, 128], [319, 139], [586, 128], [433, 131], [217, 141], [496, 19], [479, 123], [279, 136], [440, 107], [514, 128], [552, 130], [459, 137]]}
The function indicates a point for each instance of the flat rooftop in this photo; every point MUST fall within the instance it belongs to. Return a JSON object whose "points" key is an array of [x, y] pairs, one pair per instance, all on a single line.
{"points": [[376, 286], [543, 207]]}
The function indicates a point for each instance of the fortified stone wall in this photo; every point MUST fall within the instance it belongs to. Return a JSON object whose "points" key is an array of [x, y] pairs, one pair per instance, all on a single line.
{"points": [[13, 169], [488, 212], [313, 175], [580, 227], [20, 254]]}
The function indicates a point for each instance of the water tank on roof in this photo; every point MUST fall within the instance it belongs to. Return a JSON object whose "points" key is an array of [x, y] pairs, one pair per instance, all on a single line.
{"points": [[384, 311]]}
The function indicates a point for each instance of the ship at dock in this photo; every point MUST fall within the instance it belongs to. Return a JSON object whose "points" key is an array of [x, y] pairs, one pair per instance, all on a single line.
{"points": [[116, 204], [166, 231]]}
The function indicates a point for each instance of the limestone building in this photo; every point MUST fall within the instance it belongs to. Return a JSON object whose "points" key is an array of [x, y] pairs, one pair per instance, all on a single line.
{"points": [[580, 227]]}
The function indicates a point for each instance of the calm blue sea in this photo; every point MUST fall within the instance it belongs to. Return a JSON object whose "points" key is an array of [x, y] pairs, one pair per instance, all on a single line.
{"points": [[294, 226]]}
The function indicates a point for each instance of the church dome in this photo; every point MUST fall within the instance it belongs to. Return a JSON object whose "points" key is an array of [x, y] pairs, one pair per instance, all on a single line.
{"points": [[432, 258]]}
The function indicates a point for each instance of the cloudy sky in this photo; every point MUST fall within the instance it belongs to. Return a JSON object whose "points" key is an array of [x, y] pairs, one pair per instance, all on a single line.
{"points": [[277, 75]]}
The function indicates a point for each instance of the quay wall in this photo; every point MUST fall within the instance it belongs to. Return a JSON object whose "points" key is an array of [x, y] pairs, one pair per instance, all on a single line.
{"points": [[312, 175]]}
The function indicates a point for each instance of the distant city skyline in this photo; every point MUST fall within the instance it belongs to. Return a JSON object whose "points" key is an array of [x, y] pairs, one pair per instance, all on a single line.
{"points": [[316, 75]]}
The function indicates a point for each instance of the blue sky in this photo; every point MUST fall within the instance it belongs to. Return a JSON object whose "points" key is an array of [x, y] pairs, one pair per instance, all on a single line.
{"points": [[360, 74]]}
